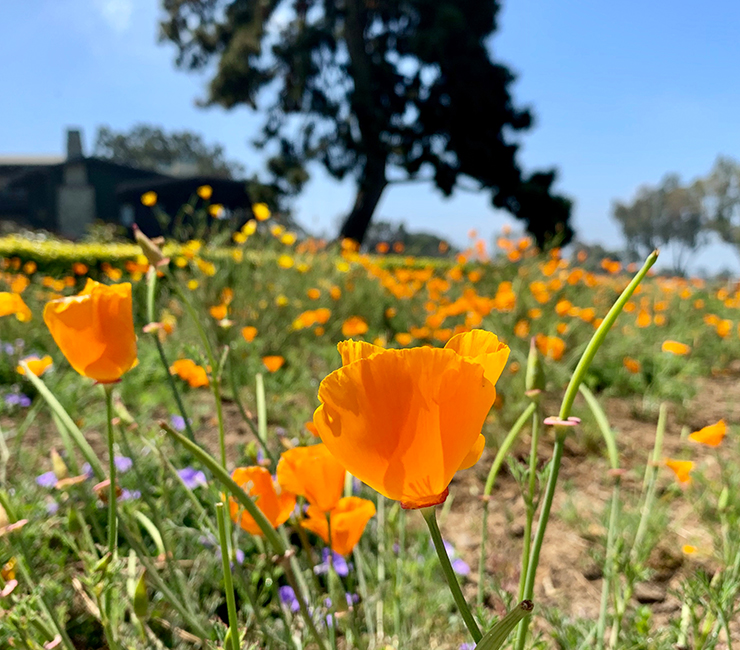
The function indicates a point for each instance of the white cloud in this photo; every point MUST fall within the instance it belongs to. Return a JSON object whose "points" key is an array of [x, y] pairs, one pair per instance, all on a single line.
{"points": [[116, 13]]}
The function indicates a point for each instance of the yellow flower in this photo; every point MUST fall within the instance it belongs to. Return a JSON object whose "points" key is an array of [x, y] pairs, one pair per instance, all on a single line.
{"points": [[675, 347], [149, 199], [37, 366], [261, 211], [205, 192]]}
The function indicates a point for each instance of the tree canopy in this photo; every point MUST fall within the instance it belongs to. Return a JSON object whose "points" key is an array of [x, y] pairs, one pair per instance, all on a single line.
{"points": [[150, 147], [383, 91], [671, 215]]}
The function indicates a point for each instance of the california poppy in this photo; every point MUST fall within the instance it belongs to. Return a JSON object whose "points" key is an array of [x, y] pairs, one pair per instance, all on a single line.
{"points": [[347, 520], [681, 468], [275, 504], [95, 330], [354, 326], [12, 303], [312, 472], [191, 372], [712, 435], [404, 421], [37, 366], [249, 332], [273, 362], [675, 347]]}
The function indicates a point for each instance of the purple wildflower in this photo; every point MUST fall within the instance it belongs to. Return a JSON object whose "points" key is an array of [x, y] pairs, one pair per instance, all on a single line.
{"points": [[52, 507], [177, 422], [24, 401], [340, 564], [87, 470], [467, 646], [287, 597], [460, 567], [47, 479], [129, 495], [192, 478], [123, 463]]}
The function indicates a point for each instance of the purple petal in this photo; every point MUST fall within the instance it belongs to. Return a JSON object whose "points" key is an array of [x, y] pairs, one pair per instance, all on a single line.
{"points": [[460, 567], [192, 478], [47, 479], [123, 463]]}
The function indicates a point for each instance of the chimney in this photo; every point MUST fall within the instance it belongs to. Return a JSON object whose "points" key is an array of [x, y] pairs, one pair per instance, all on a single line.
{"points": [[74, 144]]}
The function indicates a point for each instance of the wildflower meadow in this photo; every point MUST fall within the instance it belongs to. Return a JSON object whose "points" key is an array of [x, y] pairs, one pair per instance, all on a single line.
{"points": [[259, 440]]}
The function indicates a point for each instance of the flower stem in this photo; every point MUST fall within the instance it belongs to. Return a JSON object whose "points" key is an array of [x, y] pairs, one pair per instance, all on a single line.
{"points": [[492, 474], [561, 431], [431, 518], [228, 580], [112, 494], [150, 294], [530, 500]]}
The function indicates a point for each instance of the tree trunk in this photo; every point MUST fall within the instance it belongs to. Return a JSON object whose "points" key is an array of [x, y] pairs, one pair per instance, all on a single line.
{"points": [[369, 190]]}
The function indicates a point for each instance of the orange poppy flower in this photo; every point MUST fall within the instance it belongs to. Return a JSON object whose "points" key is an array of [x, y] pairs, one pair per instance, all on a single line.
{"points": [[681, 468], [348, 521], [249, 333], [189, 371], [312, 472], [276, 504], [273, 362], [313, 293], [674, 347], [95, 330], [633, 365], [354, 326], [12, 303], [712, 435], [404, 421], [37, 366], [335, 292], [219, 312]]}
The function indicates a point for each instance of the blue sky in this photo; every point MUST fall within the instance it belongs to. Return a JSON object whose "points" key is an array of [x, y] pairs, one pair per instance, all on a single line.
{"points": [[622, 92]]}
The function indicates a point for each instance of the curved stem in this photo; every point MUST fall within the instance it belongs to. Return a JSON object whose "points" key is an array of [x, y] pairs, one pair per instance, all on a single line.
{"points": [[431, 519], [561, 431]]}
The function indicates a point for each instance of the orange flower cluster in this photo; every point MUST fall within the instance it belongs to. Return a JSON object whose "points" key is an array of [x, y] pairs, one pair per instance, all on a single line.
{"points": [[191, 372]]}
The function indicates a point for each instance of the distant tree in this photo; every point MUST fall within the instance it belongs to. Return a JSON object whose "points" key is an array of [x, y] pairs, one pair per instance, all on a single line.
{"points": [[671, 215], [150, 147], [383, 91], [721, 190]]}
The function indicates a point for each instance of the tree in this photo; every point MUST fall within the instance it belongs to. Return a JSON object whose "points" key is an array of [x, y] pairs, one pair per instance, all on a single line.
{"points": [[721, 189], [149, 147], [670, 215], [384, 91]]}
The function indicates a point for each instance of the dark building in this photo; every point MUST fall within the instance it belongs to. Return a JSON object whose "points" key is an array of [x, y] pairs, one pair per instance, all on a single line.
{"points": [[64, 195]]}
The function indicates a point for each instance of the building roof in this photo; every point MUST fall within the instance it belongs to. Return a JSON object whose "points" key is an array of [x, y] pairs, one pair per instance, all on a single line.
{"points": [[27, 160]]}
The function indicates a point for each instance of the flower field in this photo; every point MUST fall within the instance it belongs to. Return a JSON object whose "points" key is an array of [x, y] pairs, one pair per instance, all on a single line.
{"points": [[224, 445]]}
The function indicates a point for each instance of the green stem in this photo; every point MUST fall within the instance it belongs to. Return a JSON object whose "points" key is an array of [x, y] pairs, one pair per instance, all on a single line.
{"points": [[74, 431], [228, 579], [532, 486], [430, 517], [561, 431], [150, 294], [651, 475], [112, 493], [492, 474], [29, 574], [271, 535], [215, 377]]}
